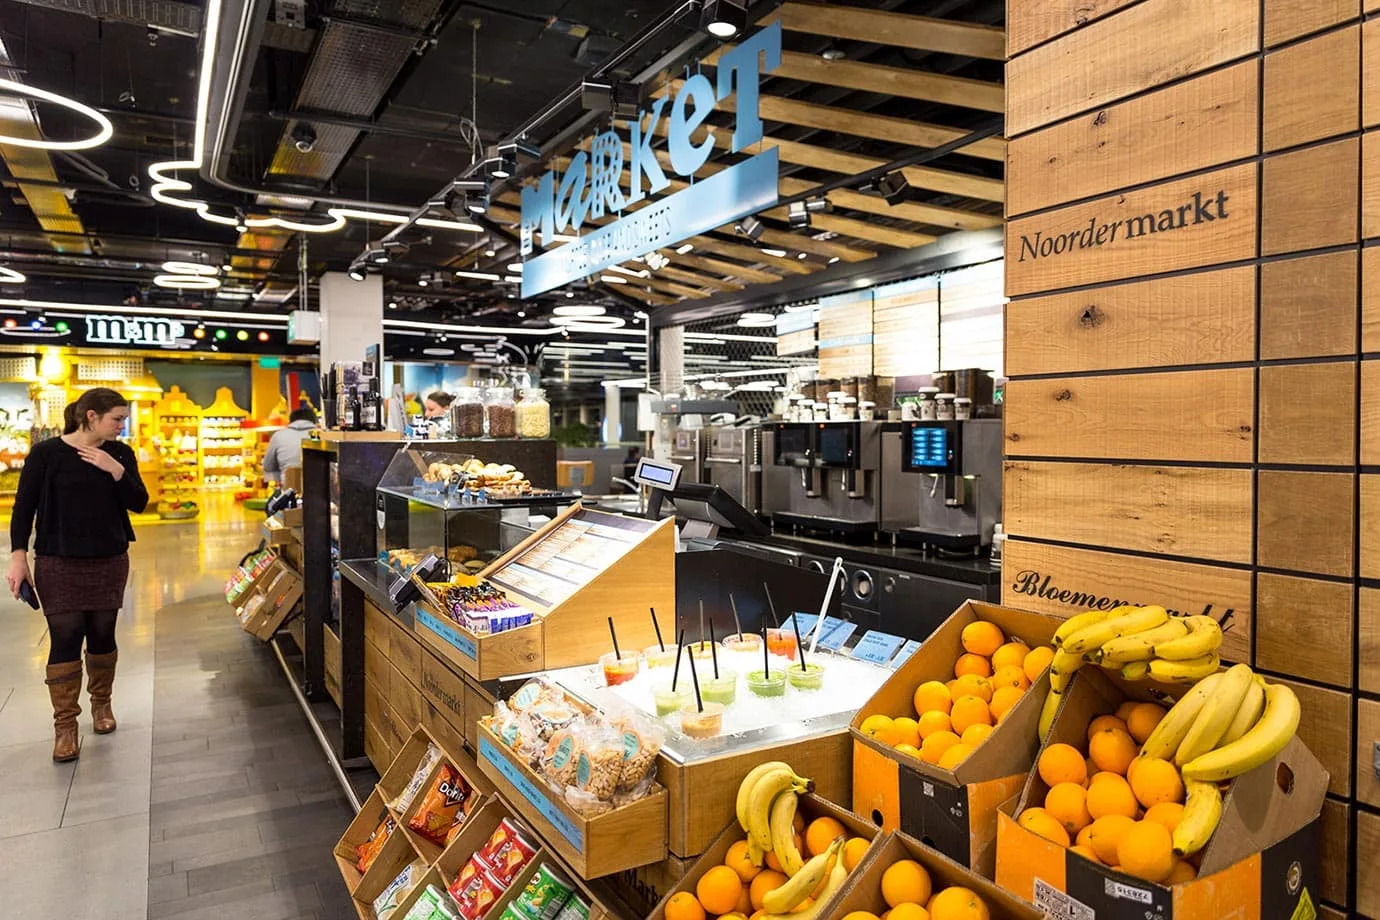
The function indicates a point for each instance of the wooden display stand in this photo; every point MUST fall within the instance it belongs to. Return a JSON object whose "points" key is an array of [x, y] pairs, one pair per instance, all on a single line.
{"points": [[574, 630], [172, 414]]}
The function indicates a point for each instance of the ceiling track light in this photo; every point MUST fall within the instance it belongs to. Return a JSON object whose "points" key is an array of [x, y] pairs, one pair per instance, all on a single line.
{"points": [[357, 272], [797, 216], [750, 227], [820, 205], [519, 149], [724, 19], [477, 203], [303, 137], [895, 188], [621, 98]]}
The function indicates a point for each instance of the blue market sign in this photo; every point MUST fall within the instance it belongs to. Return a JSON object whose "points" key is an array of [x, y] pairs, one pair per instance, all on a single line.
{"points": [[592, 185]]}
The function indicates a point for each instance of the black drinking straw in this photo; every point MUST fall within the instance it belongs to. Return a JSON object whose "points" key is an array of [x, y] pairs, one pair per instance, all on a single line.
{"points": [[657, 627], [714, 649], [701, 622], [675, 675], [776, 621], [766, 661], [699, 700], [799, 646], [737, 624], [616, 654]]}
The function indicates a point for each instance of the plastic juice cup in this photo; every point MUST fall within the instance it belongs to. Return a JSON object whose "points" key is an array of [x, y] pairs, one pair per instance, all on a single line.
{"points": [[702, 649], [619, 669], [705, 724], [656, 658], [668, 701], [743, 642], [722, 689], [767, 683], [811, 677], [781, 642]]}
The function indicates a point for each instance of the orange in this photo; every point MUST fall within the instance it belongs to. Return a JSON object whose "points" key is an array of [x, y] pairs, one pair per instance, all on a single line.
{"points": [[1012, 654], [932, 722], [767, 881], [909, 750], [1102, 723], [1085, 851], [972, 685], [1146, 851], [1091, 767], [956, 903], [880, 727], [1041, 822], [744, 906], [1167, 813], [907, 730], [1084, 838], [972, 664], [860, 915], [736, 915], [1111, 796], [1062, 763], [1123, 712], [775, 864], [908, 911], [737, 860], [821, 832], [718, 890], [1183, 871], [930, 696], [1067, 803], [1142, 720], [905, 881], [954, 756], [969, 710], [1156, 781], [1011, 675], [1113, 750], [1037, 662], [982, 637], [799, 823], [935, 746], [1104, 834], [684, 906], [853, 852], [1005, 698], [974, 735]]}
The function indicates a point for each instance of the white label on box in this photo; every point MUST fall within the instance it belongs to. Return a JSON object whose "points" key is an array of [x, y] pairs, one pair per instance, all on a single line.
{"points": [[1128, 892], [1054, 903]]}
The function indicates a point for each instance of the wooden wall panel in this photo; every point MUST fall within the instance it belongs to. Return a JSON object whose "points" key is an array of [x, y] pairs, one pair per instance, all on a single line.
{"points": [[1030, 22], [1326, 729], [1370, 185], [1063, 581], [1140, 47], [1201, 318], [1177, 511], [1308, 306], [1308, 413], [1370, 412], [1336, 850], [1368, 864], [1286, 19], [1309, 198], [1298, 524], [1370, 73], [1368, 629], [1367, 737], [1303, 627], [1370, 298], [1205, 415], [1312, 90], [1138, 141], [1370, 525], [1207, 219]]}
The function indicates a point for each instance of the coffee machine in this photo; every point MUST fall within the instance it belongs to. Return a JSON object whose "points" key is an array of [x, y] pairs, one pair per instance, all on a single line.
{"points": [[942, 483], [687, 450], [733, 461], [822, 475]]}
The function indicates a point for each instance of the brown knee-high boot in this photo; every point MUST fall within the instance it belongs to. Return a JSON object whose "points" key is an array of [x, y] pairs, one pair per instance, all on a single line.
{"points": [[100, 680], [64, 688]]}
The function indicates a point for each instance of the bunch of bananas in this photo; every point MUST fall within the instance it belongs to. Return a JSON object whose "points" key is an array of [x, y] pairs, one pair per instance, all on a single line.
{"points": [[766, 805]]}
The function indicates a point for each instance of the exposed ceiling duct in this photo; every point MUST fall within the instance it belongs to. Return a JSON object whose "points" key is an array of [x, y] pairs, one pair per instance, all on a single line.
{"points": [[163, 15]]}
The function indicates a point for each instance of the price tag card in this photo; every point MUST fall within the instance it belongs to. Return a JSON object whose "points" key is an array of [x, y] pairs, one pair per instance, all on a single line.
{"points": [[806, 622], [910, 648], [834, 633], [877, 647]]}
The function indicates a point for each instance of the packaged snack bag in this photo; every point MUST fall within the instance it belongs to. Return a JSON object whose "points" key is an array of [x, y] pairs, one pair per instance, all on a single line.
{"points": [[433, 904], [414, 785], [386, 904], [368, 851], [442, 803]]}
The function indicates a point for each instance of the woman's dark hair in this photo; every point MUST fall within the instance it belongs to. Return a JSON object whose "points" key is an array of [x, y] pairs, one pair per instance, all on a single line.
{"points": [[303, 414], [441, 398], [98, 399]]}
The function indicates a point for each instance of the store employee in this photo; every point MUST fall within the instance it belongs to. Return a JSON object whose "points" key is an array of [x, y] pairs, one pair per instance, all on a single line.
{"points": [[285, 447], [437, 404]]}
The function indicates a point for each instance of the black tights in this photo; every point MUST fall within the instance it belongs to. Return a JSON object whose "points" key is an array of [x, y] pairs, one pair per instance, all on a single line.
{"points": [[67, 630]]}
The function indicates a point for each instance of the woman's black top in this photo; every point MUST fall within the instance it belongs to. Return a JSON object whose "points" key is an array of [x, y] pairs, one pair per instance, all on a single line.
{"points": [[82, 510]]}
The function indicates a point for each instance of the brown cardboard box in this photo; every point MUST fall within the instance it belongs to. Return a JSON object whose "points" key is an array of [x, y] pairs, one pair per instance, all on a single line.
{"points": [[955, 811], [1262, 862]]}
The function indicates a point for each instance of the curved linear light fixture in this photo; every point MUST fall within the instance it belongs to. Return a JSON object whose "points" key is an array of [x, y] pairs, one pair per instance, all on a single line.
{"points": [[589, 323], [167, 187], [15, 88], [188, 268], [10, 276], [187, 282]]}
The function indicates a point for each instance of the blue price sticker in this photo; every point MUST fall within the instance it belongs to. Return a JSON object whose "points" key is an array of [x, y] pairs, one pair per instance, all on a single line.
{"points": [[877, 647], [835, 633], [529, 791], [910, 648], [462, 643]]}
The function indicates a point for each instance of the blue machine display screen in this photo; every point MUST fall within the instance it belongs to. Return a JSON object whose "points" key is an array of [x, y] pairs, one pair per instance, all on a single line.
{"points": [[929, 447], [659, 475]]}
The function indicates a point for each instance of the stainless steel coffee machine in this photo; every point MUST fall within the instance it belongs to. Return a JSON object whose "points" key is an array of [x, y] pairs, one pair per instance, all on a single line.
{"points": [[822, 475], [733, 462], [687, 450], [942, 482]]}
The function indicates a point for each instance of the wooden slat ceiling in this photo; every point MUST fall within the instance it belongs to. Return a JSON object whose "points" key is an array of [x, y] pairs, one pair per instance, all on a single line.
{"points": [[934, 78]]}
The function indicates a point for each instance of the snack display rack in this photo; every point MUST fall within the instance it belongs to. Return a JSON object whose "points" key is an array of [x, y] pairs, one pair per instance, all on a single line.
{"points": [[223, 442], [177, 427]]}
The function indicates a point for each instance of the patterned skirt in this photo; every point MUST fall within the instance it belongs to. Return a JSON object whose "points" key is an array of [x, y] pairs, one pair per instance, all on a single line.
{"points": [[68, 584]]}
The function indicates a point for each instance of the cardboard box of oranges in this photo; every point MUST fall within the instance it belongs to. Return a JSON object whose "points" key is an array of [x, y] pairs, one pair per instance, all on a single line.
{"points": [[707, 886], [903, 876], [1091, 834], [953, 732]]}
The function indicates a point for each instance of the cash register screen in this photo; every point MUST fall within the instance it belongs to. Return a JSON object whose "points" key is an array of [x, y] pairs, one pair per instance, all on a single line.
{"points": [[929, 448]]}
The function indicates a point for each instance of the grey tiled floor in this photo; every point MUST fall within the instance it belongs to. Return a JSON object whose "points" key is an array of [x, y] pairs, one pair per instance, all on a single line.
{"points": [[212, 799]]}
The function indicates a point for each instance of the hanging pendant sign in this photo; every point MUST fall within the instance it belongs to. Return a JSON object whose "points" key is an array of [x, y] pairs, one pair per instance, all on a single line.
{"points": [[593, 184], [153, 331]]}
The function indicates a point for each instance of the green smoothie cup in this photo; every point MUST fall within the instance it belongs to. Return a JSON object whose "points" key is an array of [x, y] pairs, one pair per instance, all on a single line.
{"points": [[668, 701], [721, 689], [767, 683], [810, 677]]}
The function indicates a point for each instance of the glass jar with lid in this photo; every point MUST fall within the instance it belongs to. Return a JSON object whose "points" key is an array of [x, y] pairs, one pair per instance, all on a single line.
{"points": [[501, 412], [467, 413], [533, 414]]}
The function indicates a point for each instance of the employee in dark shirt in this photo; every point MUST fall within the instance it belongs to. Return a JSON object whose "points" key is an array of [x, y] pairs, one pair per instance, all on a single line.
{"points": [[81, 487]]}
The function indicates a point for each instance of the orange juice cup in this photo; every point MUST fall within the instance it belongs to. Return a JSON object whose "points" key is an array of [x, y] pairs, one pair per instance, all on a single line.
{"points": [[619, 669], [781, 642]]}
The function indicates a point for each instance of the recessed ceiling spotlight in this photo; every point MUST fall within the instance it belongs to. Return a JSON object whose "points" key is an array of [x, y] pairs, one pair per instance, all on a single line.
{"points": [[490, 253], [392, 305], [802, 255], [833, 259], [569, 295], [724, 19], [833, 54], [522, 314]]}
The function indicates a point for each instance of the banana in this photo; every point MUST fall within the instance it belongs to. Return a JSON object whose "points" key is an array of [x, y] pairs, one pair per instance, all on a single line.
{"points": [[1247, 714], [1204, 637], [1216, 715], [756, 854], [1140, 646], [1137, 620], [798, 887], [782, 824], [1265, 739], [1184, 672], [764, 792], [1074, 623], [1135, 670], [1051, 707], [745, 788], [1202, 812], [1061, 669], [1170, 733]]}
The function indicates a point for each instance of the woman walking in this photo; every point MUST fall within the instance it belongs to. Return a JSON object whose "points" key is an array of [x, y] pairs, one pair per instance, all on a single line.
{"points": [[81, 487]]}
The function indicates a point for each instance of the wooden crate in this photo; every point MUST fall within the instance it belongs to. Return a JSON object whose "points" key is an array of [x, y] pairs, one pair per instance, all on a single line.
{"points": [[404, 766], [330, 642], [396, 853]]}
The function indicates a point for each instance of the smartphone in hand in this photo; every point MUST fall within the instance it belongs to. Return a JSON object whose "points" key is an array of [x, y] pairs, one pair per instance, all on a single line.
{"points": [[27, 595]]}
